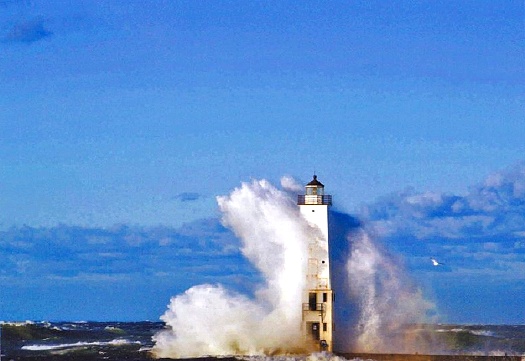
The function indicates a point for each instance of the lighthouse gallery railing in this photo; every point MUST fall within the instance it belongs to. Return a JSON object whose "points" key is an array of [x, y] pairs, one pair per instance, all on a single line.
{"points": [[313, 199]]}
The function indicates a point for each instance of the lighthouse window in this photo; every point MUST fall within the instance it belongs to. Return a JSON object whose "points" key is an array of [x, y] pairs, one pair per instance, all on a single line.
{"points": [[325, 297], [312, 301], [313, 210], [325, 327]]}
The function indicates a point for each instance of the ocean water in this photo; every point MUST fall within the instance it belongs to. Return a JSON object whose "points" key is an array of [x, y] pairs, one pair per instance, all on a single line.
{"points": [[133, 340], [78, 340]]}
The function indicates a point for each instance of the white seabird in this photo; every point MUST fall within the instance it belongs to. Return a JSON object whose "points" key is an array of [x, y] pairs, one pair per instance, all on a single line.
{"points": [[435, 262]]}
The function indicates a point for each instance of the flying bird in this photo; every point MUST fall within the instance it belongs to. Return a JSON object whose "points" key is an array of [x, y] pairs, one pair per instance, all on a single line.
{"points": [[436, 263]]}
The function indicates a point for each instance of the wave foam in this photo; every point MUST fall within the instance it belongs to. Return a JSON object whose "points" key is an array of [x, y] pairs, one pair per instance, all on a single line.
{"points": [[116, 342]]}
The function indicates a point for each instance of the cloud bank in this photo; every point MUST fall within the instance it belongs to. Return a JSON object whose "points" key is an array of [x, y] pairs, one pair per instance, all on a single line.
{"points": [[479, 236], [495, 207], [74, 254]]}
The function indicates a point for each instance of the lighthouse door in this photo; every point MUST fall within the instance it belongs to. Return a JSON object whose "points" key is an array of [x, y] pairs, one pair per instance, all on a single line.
{"points": [[315, 330]]}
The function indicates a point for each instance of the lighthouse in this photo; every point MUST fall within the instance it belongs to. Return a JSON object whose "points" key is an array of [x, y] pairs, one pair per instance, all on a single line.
{"points": [[317, 320]]}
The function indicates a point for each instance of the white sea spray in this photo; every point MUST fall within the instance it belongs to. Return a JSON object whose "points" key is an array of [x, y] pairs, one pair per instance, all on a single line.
{"points": [[390, 308], [369, 283], [210, 320]]}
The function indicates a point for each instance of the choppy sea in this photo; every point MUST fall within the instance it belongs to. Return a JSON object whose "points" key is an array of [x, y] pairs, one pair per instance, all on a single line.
{"points": [[133, 340]]}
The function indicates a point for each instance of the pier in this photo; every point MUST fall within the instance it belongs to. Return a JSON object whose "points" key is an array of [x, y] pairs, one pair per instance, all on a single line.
{"points": [[418, 357]]}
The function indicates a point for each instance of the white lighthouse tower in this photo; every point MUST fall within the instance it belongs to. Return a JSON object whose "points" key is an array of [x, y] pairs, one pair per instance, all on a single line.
{"points": [[318, 299]]}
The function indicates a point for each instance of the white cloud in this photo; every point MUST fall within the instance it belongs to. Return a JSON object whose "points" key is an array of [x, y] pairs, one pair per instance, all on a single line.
{"points": [[65, 252], [491, 246], [479, 234], [91, 277], [428, 199], [496, 206]]}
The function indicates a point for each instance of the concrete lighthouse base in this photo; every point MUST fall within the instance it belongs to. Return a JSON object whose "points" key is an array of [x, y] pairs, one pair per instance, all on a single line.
{"points": [[418, 357]]}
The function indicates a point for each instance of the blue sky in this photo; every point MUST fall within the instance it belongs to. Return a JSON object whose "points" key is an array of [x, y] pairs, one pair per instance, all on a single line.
{"points": [[121, 122]]}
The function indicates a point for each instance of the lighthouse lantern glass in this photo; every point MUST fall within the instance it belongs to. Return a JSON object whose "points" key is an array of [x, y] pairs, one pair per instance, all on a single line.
{"points": [[314, 191]]}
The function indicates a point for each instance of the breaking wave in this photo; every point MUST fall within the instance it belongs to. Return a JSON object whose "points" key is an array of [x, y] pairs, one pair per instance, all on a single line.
{"points": [[374, 300], [47, 347]]}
